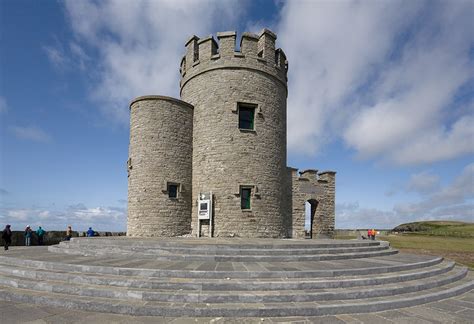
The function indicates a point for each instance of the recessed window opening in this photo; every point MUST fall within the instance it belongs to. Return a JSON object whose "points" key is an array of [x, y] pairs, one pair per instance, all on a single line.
{"points": [[172, 190], [245, 194], [246, 116]]}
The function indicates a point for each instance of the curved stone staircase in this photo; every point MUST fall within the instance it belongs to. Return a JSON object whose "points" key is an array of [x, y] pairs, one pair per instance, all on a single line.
{"points": [[218, 277]]}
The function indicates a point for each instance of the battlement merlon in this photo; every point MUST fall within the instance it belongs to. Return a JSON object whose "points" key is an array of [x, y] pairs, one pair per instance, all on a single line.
{"points": [[311, 174], [256, 52], [266, 43], [328, 176]]}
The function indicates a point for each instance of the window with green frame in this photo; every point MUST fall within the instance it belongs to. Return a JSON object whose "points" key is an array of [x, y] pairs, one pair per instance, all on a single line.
{"points": [[245, 194], [173, 190], [246, 116]]}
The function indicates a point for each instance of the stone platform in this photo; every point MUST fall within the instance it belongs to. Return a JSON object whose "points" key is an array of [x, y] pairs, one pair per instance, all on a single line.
{"points": [[226, 277]]}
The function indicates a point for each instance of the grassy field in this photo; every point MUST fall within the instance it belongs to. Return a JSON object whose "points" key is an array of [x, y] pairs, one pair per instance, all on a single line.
{"points": [[452, 240], [438, 228], [458, 249]]}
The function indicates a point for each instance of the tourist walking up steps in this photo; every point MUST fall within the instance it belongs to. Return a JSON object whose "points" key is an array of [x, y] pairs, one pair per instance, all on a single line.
{"points": [[7, 237], [40, 233], [28, 234]]}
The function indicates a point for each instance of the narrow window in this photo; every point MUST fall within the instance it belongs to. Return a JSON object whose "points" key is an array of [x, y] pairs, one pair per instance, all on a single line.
{"points": [[172, 190], [246, 116], [245, 194]]}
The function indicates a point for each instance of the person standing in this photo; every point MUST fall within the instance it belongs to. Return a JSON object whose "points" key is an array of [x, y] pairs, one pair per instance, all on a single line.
{"points": [[7, 237], [90, 232], [40, 233], [28, 234], [68, 233]]}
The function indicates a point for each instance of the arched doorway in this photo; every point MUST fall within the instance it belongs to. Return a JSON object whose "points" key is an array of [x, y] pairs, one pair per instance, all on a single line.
{"points": [[309, 212]]}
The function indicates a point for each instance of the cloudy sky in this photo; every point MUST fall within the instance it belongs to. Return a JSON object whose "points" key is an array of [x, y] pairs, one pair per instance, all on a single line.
{"points": [[380, 91]]}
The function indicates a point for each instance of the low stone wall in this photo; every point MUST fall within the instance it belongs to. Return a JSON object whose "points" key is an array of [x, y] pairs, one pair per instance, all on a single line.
{"points": [[53, 237], [359, 232]]}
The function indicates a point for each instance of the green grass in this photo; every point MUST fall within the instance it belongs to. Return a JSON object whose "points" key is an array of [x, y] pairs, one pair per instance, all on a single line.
{"points": [[456, 248], [438, 228], [452, 240]]}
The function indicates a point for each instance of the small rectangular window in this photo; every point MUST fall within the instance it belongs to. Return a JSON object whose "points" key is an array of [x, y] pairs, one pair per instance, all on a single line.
{"points": [[246, 116], [245, 194], [172, 190]]}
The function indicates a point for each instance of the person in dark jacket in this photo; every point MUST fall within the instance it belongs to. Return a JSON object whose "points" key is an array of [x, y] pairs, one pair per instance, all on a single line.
{"points": [[40, 233], [7, 237]]}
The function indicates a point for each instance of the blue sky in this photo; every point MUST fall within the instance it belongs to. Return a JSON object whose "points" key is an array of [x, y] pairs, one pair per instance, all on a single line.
{"points": [[381, 92]]}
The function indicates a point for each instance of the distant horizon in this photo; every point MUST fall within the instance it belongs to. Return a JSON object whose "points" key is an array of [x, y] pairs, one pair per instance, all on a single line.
{"points": [[337, 229]]}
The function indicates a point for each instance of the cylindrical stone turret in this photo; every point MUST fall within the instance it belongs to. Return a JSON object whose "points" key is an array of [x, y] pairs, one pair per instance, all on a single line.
{"points": [[160, 167], [239, 132]]}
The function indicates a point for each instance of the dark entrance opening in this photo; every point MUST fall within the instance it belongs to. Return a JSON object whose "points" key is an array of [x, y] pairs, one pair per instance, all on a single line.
{"points": [[309, 212]]}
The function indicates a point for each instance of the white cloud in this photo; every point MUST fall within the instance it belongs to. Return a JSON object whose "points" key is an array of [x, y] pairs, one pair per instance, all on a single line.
{"points": [[45, 214], [32, 133], [380, 75], [139, 44], [423, 182], [79, 216], [18, 214], [457, 195], [452, 202], [352, 216]]}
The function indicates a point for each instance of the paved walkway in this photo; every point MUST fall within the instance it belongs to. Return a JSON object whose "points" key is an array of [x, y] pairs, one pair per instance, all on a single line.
{"points": [[459, 309]]}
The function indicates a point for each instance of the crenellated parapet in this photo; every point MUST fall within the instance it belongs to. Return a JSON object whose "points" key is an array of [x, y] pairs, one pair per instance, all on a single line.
{"points": [[257, 52]]}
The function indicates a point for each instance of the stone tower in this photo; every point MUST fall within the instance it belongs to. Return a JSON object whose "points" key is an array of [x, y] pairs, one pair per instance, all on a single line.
{"points": [[227, 136], [231, 157], [159, 167]]}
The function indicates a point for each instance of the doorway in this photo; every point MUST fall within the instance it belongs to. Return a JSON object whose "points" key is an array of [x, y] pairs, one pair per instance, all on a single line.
{"points": [[309, 212]]}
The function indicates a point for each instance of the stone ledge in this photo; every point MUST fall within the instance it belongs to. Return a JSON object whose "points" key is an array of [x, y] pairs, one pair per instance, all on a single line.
{"points": [[158, 97]]}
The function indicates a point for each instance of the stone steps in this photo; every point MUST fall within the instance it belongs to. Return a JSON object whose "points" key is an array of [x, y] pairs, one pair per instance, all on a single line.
{"points": [[165, 273], [221, 283], [211, 244], [304, 294], [296, 251], [226, 258], [228, 284], [84, 249], [240, 309]]}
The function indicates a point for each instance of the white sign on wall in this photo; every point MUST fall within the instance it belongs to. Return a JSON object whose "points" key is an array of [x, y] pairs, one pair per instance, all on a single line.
{"points": [[204, 208]]}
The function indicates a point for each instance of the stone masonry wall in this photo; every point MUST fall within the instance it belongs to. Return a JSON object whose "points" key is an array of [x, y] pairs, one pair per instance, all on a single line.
{"points": [[160, 151], [319, 187], [226, 157]]}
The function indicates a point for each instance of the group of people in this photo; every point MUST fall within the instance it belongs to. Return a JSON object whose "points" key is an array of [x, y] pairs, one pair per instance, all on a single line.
{"points": [[40, 233], [90, 233], [371, 234], [7, 236]]}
